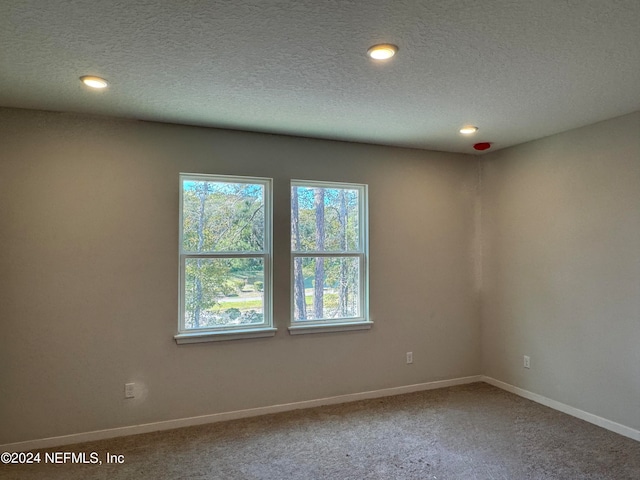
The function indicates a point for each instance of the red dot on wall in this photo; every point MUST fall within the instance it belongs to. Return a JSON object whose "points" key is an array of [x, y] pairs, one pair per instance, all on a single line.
{"points": [[482, 146]]}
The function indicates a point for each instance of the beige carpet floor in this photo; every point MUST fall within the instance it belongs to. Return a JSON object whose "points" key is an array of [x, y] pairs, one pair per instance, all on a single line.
{"points": [[469, 432]]}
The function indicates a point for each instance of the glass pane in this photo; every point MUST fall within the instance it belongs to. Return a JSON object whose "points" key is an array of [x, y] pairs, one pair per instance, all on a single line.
{"points": [[326, 288], [222, 292], [324, 219], [222, 217]]}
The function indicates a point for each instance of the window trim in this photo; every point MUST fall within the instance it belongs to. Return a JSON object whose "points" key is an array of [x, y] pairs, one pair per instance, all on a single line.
{"points": [[228, 332], [362, 322]]}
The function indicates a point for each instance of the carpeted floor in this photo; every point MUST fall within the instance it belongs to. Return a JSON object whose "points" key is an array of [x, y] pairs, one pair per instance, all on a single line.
{"points": [[468, 432]]}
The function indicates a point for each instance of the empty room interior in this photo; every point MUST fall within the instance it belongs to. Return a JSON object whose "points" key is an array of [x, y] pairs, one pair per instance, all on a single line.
{"points": [[237, 240]]}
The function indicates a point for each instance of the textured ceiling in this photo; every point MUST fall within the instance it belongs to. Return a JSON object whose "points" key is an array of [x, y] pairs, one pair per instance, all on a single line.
{"points": [[519, 70]]}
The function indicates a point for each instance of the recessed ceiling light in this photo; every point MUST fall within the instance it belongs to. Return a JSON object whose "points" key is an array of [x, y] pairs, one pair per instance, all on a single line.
{"points": [[382, 51], [94, 82], [468, 130]]}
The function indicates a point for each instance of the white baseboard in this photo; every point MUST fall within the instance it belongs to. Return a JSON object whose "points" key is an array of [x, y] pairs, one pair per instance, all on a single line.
{"points": [[220, 417], [575, 412]]}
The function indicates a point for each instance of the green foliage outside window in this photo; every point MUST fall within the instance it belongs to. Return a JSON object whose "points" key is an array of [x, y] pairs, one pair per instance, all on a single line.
{"points": [[221, 217]]}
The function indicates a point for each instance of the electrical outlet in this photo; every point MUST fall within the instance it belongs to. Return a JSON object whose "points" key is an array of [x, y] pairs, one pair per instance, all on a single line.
{"points": [[128, 390], [409, 357], [527, 361]]}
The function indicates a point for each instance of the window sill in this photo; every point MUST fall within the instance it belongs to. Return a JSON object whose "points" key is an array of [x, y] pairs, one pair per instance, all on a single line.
{"points": [[221, 336], [329, 327]]}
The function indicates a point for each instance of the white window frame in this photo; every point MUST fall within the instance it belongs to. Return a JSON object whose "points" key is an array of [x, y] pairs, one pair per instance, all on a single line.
{"points": [[363, 322], [230, 332]]}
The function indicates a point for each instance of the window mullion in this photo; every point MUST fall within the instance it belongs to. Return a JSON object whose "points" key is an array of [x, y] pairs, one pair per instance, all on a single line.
{"points": [[223, 255], [326, 254]]}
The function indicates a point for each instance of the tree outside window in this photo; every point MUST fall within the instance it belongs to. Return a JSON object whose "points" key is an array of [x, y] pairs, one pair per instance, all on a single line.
{"points": [[328, 245], [225, 253]]}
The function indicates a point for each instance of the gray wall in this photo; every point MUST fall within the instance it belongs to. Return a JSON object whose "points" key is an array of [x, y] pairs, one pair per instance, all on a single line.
{"points": [[89, 267], [561, 267]]}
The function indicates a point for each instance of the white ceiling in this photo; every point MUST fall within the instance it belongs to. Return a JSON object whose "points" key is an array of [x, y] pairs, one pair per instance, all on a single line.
{"points": [[519, 69]]}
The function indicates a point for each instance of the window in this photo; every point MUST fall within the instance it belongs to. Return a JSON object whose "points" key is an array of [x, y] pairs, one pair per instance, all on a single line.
{"points": [[225, 258], [328, 257]]}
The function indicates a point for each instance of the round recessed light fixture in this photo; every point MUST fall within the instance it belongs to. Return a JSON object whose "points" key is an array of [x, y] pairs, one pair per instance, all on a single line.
{"points": [[383, 51], [468, 130], [94, 82]]}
